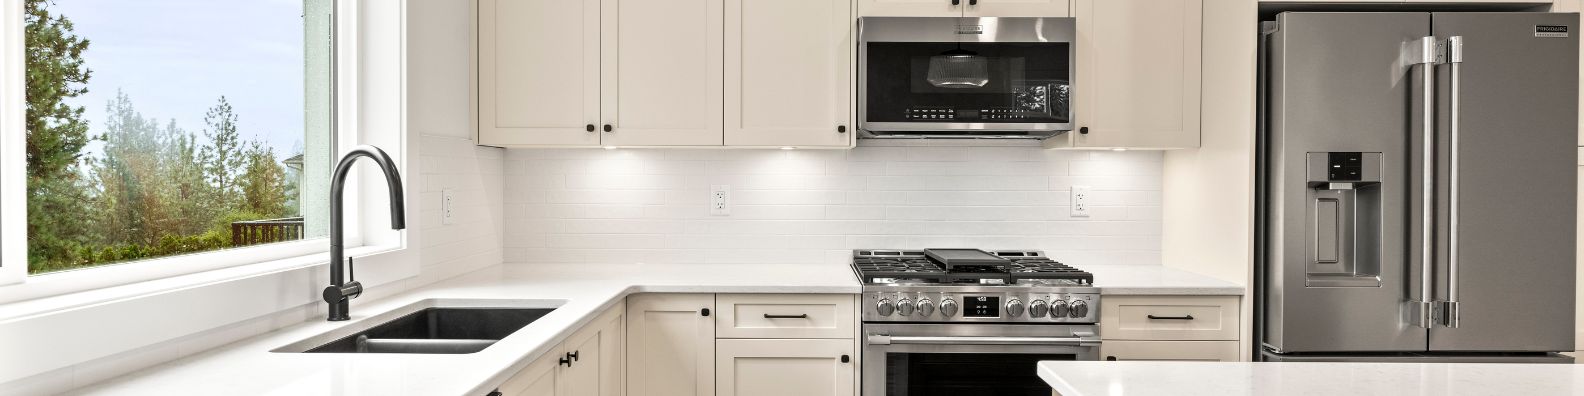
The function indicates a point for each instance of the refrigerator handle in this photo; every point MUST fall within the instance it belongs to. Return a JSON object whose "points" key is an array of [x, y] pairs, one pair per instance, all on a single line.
{"points": [[1424, 54], [1454, 58]]}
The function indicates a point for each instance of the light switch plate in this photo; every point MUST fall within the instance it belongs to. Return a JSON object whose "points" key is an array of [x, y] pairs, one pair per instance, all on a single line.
{"points": [[1080, 201], [720, 200], [447, 207]]}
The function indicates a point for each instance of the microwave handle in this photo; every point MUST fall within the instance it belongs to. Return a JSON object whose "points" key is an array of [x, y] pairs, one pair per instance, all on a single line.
{"points": [[1081, 339]]}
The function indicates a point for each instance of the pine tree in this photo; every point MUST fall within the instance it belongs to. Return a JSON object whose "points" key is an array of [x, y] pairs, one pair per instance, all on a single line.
{"points": [[224, 155], [56, 134]]}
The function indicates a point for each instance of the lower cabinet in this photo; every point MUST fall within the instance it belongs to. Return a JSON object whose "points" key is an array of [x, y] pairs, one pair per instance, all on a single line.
{"points": [[1205, 351], [791, 367], [671, 345], [588, 363]]}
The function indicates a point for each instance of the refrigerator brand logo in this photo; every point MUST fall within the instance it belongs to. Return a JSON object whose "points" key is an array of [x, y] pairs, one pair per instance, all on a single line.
{"points": [[1551, 31]]}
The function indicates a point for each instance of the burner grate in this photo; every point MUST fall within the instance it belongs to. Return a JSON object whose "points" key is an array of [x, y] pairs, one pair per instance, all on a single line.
{"points": [[918, 268], [1044, 268], [914, 267]]}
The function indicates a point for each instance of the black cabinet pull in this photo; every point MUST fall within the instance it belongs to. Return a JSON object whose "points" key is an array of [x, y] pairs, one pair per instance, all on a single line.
{"points": [[1083, 130], [1184, 317], [845, 359], [495, 393], [589, 127], [565, 362], [608, 127], [798, 316], [973, 2], [573, 355], [841, 129], [956, 2], [704, 312], [1111, 358]]}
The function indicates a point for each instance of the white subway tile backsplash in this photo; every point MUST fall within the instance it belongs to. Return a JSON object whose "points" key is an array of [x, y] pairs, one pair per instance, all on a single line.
{"points": [[814, 206]]}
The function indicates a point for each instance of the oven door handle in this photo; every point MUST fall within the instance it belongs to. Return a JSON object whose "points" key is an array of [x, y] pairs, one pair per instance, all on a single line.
{"points": [[1080, 340]]}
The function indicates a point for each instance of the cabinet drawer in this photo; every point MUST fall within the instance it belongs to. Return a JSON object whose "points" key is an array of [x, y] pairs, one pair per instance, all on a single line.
{"points": [[1211, 318], [785, 316], [1195, 351]]}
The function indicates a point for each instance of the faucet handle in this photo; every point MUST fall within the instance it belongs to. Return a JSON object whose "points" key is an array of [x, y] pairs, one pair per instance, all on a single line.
{"points": [[351, 271]]}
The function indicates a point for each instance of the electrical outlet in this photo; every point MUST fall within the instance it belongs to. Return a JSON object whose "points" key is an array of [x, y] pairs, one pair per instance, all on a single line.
{"points": [[447, 207], [1080, 201], [720, 200]]}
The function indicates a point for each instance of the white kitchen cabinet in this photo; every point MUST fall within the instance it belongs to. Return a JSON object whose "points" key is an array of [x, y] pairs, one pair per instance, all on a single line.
{"points": [[538, 72], [670, 345], [756, 367], [1206, 318], [1138, 75], [935, 8], [662, 65], [588, 363], [1017, 8], [1197, 351], [789, 73], [785, 316]]}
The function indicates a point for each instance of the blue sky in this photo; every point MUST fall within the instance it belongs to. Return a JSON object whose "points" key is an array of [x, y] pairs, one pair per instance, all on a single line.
{"points": [[175, 58]]}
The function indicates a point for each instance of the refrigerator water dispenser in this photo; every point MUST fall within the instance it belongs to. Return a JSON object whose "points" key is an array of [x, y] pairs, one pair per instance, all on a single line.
{"points": [[1344, 220]]}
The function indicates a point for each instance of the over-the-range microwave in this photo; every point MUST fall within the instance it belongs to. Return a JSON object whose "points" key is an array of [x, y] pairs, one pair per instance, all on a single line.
{"points": [[947, 77]]}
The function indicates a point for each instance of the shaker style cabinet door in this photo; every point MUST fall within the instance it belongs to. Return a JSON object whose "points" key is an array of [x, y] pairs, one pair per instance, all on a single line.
{"points": [[595, 357], [1138, 74], [1177, 351], [539, 379], [789, 73], [662, 62], [670, 345], [538, 72], [932, 8], [785, 367], [1017, 8]]}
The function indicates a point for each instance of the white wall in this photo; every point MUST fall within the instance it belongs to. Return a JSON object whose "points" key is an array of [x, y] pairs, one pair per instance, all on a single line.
{"points": [[814, 206], [440, 157]]}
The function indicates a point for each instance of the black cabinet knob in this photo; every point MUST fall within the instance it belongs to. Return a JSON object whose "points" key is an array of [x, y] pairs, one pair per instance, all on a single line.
{"points": [[589, 127], [565, 362], [1083, 130], [841, 128], [956, 2], [608, 127], [573, 355], [1111, 358], [704, 312], [973, 2], [845, 359], [495, 393]]}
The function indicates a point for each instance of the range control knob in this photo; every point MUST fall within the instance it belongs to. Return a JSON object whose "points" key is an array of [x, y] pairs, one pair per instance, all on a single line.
{"points": [[1079, 309], [1058, 309], [948, 308], [884, 307], [1037, 309], [925, 307], [905, 307], [1014, 308]]}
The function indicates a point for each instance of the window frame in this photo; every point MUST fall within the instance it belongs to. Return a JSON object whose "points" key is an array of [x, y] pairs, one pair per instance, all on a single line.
{"points": [[347, 115]]}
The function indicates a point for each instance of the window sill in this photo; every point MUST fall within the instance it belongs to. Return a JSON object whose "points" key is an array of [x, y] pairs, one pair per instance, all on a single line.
{"points": [[21, 310]]}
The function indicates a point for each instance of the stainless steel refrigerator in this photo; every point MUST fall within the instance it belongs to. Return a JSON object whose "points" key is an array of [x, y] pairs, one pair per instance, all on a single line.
{"points": [[1417, 186]]}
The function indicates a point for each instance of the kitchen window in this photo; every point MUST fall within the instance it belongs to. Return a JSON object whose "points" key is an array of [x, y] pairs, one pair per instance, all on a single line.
{"points": [[167, 133]]}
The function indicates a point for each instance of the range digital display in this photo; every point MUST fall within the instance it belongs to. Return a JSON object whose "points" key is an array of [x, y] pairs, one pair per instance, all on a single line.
{"points": [[981, 306]]}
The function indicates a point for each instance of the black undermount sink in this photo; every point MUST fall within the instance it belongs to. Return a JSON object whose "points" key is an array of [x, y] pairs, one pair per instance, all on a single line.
{"points": [[437, 330]]}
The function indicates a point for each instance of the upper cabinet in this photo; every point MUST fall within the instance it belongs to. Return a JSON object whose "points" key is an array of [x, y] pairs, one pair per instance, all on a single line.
{"points": [[1138, 74], [698, 73], [970, 8]]}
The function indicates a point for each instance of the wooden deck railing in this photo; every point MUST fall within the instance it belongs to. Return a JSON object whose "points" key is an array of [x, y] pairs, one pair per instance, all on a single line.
{"points": [[244, 233]]}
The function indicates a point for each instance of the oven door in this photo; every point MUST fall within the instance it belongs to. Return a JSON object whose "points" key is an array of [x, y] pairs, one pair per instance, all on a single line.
{"points": [[965, 77], [968, 359]]}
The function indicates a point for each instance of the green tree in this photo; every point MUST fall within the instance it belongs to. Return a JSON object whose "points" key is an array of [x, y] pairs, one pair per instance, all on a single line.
{"points": [[131, 177], [224, 155], [56, 134], [264, 189]]}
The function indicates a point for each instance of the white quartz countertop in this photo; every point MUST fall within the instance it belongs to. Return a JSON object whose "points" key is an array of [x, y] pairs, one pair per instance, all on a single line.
{"points": [[1309, 378], [578, 291]]}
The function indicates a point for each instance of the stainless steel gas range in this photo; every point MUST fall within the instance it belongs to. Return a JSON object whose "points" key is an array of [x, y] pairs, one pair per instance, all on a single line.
{"points": [[971, 322]]}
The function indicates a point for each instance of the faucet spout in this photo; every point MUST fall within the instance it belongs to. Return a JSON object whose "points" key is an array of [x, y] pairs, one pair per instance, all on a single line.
{"points": [[342, 290]]}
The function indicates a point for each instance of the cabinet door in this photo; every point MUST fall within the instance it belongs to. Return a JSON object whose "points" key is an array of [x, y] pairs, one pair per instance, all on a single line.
{"points": [[596, 357], [663, 72], [789, 73], [1137, 80], [1198, 351], [1017, 8], [670, 345], [784, 367], [538, 72], [936, 8], [538, 379]]}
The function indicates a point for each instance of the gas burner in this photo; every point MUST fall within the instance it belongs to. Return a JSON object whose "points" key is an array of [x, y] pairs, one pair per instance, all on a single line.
{"points": [[974, 287], [897, 266]]}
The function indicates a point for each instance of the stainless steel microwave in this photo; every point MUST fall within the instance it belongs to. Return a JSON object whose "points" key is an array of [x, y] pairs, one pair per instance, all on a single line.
{"points": [[977, 78]]}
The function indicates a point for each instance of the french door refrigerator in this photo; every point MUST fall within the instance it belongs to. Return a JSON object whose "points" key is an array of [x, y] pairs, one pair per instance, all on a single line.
{"points": [[1417, 186]]}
